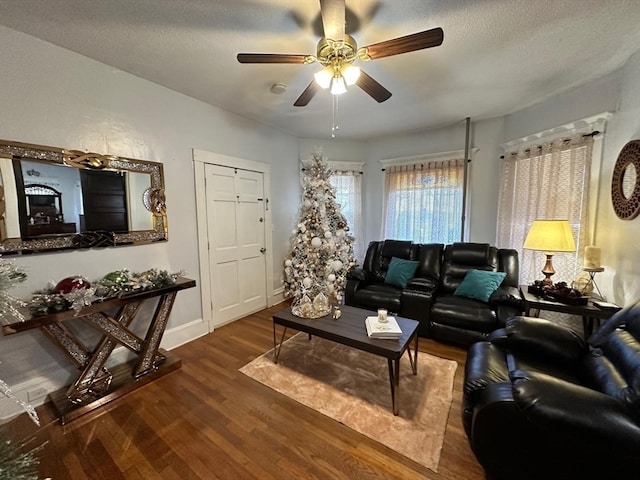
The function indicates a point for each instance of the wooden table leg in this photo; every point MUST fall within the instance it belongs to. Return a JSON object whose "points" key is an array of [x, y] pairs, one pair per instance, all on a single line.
{"points": [[277, 346], [394, 380]]}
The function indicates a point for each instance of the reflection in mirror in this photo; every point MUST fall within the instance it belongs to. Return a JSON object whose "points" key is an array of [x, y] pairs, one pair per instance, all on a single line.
{"points": [[53, 199], [629, 179]]}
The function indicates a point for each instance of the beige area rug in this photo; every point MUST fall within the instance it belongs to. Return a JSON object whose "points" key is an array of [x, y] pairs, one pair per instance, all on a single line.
{"points": [[353, 388]]}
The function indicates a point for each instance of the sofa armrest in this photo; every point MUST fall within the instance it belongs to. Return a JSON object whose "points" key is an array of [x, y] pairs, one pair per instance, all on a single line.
{"points": [[422, 284], [505, 295], [540, 338], [357, 274], [570, 410], [530, 427]]}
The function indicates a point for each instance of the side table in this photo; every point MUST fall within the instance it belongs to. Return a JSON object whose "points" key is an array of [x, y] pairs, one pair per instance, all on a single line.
{"points": [[590, 313], [95, 384]]}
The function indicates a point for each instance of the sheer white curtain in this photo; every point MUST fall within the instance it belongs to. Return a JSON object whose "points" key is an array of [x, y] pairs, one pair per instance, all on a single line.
{"points": [[546, 181], [348, 186], [424, 201]]}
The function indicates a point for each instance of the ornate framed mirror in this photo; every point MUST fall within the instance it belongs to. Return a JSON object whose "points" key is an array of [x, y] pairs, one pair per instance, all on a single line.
{"points": [[55, 199], [625, 182]]}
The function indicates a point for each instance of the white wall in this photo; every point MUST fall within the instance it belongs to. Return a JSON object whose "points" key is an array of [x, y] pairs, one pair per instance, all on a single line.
{"points": [[620, 281], [51, 96]]}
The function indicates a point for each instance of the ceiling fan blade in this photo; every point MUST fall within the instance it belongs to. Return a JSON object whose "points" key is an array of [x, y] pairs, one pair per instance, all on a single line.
{"points": [[373, 88], [409, 43], [333, 15], [307, 95], [270, 58]]}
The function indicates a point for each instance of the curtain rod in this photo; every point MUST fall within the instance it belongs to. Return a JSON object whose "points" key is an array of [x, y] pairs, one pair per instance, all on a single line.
{"points": [[339, 170], [592, 134], [421, 165]]}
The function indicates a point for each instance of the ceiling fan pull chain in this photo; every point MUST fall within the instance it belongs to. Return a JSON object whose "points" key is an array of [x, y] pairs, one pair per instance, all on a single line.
{"points": [[334, 114]]}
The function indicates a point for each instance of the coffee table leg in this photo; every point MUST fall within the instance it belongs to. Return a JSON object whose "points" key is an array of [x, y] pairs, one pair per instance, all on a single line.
{"points": [[277, 346], [394, 380], [413, 359]]}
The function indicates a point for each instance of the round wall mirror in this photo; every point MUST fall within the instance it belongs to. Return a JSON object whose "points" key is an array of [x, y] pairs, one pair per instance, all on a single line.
{"points": [[625, 182]]}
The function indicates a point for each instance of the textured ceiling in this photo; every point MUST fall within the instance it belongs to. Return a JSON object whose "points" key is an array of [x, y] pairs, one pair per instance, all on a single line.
{"points": [[497, 57]]}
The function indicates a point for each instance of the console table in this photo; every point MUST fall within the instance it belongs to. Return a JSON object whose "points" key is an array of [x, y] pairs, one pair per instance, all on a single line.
{"points": [[97, 385], [590, 313]]}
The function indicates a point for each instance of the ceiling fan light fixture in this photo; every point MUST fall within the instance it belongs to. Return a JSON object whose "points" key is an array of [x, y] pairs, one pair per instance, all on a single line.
{"points": [[351, 73], [338, 85], [324, 77]]}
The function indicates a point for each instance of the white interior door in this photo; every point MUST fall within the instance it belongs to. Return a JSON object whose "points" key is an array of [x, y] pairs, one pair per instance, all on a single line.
{"points": [[236, 234]]}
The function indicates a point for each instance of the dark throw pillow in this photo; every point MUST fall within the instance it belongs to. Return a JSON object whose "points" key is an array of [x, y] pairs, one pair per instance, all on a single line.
{"points": [[400, 271], [479, 284]]}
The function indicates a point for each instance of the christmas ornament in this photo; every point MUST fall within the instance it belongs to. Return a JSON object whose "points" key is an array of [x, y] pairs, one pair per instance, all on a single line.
{"points": [[66, 285], [316, 242], [119, 276]]}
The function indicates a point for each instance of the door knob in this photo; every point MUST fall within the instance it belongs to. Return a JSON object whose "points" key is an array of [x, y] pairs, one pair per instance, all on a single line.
{"points": [[262, 250]]}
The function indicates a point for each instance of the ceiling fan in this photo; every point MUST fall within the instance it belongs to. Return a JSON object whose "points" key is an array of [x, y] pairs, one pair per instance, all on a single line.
{"points": [[337, 52]]}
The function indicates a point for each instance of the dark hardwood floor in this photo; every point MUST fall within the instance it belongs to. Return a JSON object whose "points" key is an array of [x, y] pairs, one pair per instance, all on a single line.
{"points": [[207, 421]]}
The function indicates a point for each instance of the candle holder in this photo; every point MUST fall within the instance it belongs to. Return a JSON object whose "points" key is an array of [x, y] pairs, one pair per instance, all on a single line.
{"points": [[592, 279]]}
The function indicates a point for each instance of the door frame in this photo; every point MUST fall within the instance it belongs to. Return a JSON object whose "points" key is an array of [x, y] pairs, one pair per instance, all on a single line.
{"points": [[200, 158]]}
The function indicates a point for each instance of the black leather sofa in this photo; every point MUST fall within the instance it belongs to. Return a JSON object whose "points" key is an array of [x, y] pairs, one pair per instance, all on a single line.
{"points": [[429, 296], [540, 402]]}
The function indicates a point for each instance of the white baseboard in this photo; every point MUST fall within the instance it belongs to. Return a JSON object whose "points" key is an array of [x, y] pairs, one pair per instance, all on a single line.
{"points": [[277, 297], [35, 390]]}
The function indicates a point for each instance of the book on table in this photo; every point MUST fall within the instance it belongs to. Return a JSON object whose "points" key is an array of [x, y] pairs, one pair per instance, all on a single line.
{"points": [[387, 330]]}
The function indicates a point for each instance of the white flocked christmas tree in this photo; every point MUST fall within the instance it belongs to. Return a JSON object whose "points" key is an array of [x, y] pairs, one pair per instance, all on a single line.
{"points": [[321, 251]]}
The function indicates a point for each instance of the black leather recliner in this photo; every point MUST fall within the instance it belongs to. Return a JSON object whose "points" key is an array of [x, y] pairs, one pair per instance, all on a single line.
{"points": [[429, 296], [540, 402], [462, 320]]}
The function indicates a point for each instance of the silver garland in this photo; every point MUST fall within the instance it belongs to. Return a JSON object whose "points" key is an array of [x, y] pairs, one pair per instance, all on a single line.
{"points": [[10, 277]]}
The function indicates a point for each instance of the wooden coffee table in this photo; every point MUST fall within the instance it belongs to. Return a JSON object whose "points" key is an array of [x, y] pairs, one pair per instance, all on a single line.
{"points": [[350, 330]]}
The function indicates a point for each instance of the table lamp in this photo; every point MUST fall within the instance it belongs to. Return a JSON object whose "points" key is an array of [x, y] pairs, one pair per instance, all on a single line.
{"points": [[550, 236]]}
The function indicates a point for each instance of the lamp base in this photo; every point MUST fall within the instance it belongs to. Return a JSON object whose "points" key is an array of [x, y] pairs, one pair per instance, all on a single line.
{"points": [[548, 271]]}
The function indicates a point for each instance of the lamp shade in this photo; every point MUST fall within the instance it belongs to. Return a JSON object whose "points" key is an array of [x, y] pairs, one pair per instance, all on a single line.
{"points": [[550, 236]]}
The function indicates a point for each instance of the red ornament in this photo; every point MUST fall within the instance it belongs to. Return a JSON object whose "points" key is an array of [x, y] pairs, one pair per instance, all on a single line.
{"points": [[66, 285]]}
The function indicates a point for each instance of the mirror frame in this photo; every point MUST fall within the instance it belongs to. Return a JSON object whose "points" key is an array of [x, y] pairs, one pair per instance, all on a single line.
{"points": [[626, 208], [154, 200]]}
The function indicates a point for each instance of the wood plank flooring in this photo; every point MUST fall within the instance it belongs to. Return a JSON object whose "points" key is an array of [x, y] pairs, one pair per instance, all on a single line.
{"points": [[209, 421]]}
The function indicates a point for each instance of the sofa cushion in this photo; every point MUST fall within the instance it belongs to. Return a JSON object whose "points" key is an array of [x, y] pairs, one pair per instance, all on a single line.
{"points": [[396, 248], [464, 253], [464, 313], [400, 271], [479, 284], [379, 295]]}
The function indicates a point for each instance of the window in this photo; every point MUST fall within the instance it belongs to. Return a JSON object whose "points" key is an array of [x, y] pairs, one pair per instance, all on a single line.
{"points": [[346, 179], [423, 200], [546, 181]]}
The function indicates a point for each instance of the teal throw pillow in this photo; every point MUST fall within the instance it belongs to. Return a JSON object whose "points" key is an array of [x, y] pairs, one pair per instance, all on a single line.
{"points": [[479, 284], [400, 271]]}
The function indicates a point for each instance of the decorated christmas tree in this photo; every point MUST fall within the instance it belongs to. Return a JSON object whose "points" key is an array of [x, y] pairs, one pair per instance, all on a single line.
{"points": [[321, 252]]}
